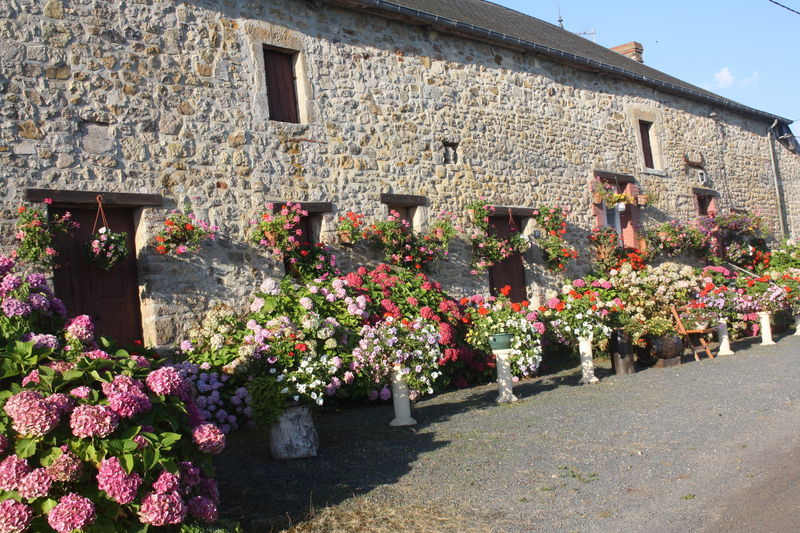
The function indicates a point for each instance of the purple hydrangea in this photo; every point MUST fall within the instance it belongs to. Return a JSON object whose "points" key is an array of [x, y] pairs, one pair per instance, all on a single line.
{"points": [[58, 307], [42, 340], [38, 282], [10, 282], [12, 307], [7, 264], [39, 302], [203, 509]]}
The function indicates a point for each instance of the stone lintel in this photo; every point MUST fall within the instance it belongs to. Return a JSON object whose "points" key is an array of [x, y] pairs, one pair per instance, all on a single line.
{"points": [[66, 197]]}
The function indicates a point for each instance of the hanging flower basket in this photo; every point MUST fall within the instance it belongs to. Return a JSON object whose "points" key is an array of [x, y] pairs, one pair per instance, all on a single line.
{"points": [[106, 248]]}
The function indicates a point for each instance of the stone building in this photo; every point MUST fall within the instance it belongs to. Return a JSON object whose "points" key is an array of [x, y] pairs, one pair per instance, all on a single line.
{"points": [[360, 105]]}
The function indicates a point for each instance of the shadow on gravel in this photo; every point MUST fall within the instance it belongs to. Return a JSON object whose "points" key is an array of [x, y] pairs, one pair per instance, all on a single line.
{"points": [[358, 452]]}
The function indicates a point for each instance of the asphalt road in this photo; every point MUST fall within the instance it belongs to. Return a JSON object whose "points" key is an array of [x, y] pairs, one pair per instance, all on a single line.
{"points": [[709, 446]]}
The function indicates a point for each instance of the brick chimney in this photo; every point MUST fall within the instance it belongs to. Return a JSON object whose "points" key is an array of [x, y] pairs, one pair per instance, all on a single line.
{"points": [[632, 50]]}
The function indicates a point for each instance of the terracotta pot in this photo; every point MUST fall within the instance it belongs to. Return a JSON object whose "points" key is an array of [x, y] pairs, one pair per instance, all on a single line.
{"points": [[597, 198], [345, 238], [641, 199]]}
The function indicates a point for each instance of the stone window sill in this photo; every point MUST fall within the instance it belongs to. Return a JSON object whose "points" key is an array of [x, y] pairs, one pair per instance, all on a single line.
{"points": [[655, 172]]}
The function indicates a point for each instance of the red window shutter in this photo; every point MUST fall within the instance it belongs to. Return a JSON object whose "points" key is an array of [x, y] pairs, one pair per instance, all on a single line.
{"points": [[281, 89]]}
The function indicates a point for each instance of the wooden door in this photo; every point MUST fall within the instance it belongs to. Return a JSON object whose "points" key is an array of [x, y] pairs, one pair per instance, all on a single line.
{"points": [[510, 270], [110, 297]]}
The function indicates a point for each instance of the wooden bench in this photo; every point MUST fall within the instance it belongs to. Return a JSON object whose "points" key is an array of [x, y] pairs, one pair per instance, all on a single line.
{"points": [[686, 333]]}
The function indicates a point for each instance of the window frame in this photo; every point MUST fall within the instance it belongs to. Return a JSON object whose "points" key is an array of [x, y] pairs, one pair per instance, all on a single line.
{"points": [[281, 107]]}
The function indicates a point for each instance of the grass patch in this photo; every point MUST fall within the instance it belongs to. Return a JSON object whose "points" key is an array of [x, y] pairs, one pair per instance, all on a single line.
{"points": [[575, 474], [688, 497]]}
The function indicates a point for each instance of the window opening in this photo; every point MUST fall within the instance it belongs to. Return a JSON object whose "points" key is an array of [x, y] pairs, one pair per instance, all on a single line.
{"points": [[281, 85], [450, 152], [647, 149]]}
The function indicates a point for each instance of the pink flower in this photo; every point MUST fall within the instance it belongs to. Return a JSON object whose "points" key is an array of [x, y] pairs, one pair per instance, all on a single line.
{"points": [[96, 354], [166, 482], [165, 381], [427, 312], [15, 517], [162, 509], [36, 484], [31, 414], [61, 402], [209, 438], [203, 509], [116, 482], [12, 470], [33, 377], [67, 467], [553, 302], [80, 328], [93, 421], [72, 512], [126, 396], [81, 392]]}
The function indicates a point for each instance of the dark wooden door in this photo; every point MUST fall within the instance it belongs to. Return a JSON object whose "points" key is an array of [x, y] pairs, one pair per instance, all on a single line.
{"points": [[510, 270], [110, 297]]}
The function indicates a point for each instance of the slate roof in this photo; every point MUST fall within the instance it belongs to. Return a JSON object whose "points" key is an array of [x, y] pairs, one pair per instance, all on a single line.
{"points": [[486, 21]]}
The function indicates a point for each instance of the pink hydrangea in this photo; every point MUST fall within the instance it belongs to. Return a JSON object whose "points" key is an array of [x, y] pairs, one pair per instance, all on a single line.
{"points": [[165, 381], [203, 508], [32, 377], [67, 467], [93, 421], [31, 414], [162, 509], [81, 392], [61, 366], [80, 328], [126, 396], [96, 354], [72, 512], [209, 438], [12, 470], [15, 517], [190, 475], [35, 484], [140, 360], [61, 402], [118, 484], [166, 482], [141, 442]]}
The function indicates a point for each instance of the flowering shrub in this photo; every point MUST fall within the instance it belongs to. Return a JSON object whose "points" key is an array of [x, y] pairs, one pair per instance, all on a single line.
{"points": [[410, 346], [106, 248], [278, 232], [500, 315], [402, 247], [609, 193], [720, 232], [308, 262], [35, 235], [557, 253], [489, 249], [349, 228], [673, 238], [28, 309], [95, 441], [770, 296], [183, 232], [580, 312], [786, 257], [605, 248]]}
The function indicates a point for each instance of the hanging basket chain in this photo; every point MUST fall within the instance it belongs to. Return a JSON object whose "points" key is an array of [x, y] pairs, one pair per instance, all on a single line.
{"points": [[101, 215]]}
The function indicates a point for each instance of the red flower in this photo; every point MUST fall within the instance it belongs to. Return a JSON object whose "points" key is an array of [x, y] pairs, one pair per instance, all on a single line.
{"points": [[483, 311], [505, 290]]}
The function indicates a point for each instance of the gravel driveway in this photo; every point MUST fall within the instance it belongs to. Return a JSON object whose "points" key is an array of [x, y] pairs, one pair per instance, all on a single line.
{"points": [[677, 449]]}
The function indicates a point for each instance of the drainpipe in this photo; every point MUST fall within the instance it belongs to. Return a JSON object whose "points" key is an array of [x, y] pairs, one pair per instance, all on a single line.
{"points": [[776, 177]]}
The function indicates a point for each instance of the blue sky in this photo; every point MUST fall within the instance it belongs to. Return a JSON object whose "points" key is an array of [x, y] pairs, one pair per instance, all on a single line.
{"points": [[744, 50]]}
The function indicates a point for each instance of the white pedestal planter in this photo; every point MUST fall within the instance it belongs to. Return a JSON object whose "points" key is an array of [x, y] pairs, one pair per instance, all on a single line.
{"points": [[587, 363], [294, 435], [402, 405], [504, 380], [724, 339], [797, 324], [766, 329]]}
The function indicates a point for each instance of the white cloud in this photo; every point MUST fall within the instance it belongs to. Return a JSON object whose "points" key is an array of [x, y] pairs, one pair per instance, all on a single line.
{"points": [[752, 79], [724, 78]]}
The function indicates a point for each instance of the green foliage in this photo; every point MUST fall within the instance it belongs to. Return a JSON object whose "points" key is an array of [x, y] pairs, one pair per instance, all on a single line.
{"points": [[35, 235], [266, 400]]}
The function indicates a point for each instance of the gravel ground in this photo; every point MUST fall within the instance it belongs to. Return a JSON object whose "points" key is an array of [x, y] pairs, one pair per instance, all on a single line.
{"points": [[677, 449]]}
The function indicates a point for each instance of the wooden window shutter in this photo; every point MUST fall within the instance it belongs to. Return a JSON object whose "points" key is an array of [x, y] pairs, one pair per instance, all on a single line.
{"points": [[647, 149], [281, 89]]}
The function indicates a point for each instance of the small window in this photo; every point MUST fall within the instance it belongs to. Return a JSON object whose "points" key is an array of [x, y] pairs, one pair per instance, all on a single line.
{"points": [[705, 203], [645, 129], [613, 219], [281, 85], [404, 213]]}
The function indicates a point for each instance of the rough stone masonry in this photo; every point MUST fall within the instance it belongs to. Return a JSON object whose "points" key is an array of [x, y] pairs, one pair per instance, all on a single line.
{"points": [[169, 98]]}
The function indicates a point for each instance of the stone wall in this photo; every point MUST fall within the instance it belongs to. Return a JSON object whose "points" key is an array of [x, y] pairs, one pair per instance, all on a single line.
{"points": [[169, 98]]}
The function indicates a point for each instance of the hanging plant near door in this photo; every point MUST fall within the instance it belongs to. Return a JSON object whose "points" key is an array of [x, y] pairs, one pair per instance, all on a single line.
{"points": [[488, 249], [555, 249], [105, 248], [183, 232], [35, 234]]}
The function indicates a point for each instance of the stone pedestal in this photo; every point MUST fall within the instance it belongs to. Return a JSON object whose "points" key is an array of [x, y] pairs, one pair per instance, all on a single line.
{"points": [[766, 329], [402, 404], [504, 378], [724, 339], [587, 362]]}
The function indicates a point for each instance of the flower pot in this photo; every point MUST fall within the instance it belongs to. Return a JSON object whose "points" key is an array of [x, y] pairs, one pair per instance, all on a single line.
{"points": [[661, 347], [641, 199], [269, 238], [400, 399], [597, 198], [472, 215], [621, 352], [294, 435], [345, 238], [500, 341]]}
